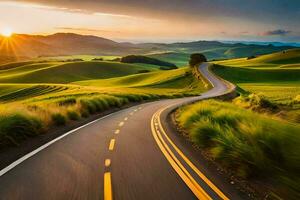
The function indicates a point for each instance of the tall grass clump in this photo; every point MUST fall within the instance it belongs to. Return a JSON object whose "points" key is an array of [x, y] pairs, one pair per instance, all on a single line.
{"points": [[67, 101], [96, 104], [16, 127], [255, 102], [247, 142], [73, 115], [58, 119]]}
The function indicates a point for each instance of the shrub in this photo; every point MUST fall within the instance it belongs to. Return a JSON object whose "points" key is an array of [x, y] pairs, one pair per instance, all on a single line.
{"points": [[146, 60], [196, 59], [255, 102], [16, 127], [85, 114], [131, 97], [97, 59], [143, 71], [296, 100], [67, 101], [73, 115], [251, 57], [167, 68], [58, 119], [88, 106]]}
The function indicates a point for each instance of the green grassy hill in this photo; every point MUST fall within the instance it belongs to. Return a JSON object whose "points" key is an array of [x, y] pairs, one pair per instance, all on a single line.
{"points": [[255, 75], [283, 59], [136, 80], [18, 92], [180, 59], [15, 64], [38, 95], [276, 76], [58, 72]]}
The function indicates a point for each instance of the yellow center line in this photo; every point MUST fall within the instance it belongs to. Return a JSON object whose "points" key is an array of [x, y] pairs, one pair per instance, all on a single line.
{"points": [[126, 118], [185, 176], [121, 124], [131, 113], [117, 131], [195, 169], [135, 110], [107, 186], [107, 162], [112, 144]]}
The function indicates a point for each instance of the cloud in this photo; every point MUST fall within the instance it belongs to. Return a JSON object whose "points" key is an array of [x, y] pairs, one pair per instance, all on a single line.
{"points": [[281, 32], [266, 10]]}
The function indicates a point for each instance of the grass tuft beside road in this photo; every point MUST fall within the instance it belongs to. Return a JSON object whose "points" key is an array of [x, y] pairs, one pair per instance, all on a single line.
{"points": [[251, 144]]}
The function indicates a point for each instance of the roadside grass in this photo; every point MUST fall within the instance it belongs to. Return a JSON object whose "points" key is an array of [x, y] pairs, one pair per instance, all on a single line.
{"points": [[16, 127], [251, 144], [98, 87]]}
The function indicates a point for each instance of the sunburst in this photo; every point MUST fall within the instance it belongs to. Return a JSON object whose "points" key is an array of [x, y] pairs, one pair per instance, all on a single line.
{"points": [[7, 32], [8, 44]]}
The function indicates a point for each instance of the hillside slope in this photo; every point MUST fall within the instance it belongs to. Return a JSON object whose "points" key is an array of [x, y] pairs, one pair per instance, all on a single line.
{"points": [[282, 59], [138, 80], [276, 76], [57, 72]]}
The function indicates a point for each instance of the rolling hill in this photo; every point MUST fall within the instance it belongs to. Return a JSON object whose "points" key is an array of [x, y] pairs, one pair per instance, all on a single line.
{"points": [[275, 75], [21, 47], [138, 80], [66, 72], [61, 44], [283, 59]]}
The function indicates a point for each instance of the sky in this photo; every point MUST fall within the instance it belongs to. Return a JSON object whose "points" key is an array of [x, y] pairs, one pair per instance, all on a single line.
{"points": [[157, 20]]}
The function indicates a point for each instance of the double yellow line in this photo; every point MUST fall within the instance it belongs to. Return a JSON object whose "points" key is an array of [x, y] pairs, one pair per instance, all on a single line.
{"points": [[159, 134]]}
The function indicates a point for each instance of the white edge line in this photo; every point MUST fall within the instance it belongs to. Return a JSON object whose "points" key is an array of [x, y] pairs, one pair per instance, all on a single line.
{"points": [[32, 153]]}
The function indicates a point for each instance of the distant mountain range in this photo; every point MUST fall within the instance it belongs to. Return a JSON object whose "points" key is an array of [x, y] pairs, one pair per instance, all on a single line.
{"points": [[21, 46], [278, 44]]}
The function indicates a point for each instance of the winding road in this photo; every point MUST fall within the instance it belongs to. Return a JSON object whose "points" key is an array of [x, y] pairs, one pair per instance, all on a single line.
{"points": [[132, 154]]}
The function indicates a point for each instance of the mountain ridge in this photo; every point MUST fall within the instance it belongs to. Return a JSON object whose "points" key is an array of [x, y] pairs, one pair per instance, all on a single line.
{"points": [[20, 46]]}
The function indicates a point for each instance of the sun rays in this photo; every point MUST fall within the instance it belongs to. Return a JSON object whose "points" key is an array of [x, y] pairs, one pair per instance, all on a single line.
{"points": [[9, 44], [7, 32]]}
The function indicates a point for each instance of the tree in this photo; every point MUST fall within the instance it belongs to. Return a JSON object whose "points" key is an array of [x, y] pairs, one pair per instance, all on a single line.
{"points": [[196, 59]]}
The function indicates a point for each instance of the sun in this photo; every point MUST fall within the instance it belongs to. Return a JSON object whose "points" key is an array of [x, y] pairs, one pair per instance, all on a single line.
{"points": [[7, 32]]}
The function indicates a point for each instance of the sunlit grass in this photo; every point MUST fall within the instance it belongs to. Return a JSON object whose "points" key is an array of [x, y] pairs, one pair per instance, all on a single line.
{"points": [[251, 144], [55, 93], [275, 76]]}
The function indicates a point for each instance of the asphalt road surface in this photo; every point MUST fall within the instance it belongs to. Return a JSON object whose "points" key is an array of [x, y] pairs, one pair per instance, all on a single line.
{"points": [[132, 154]]}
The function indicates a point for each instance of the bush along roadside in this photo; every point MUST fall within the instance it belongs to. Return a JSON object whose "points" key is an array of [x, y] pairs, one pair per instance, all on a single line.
{"points": [[37, 118], [16, 127], [250, 144]]}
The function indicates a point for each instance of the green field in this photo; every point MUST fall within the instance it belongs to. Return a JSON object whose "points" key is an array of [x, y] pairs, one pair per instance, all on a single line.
{"points": [[37, 95], [283, 59], [276, 76], [66, 72], [178, 58]]}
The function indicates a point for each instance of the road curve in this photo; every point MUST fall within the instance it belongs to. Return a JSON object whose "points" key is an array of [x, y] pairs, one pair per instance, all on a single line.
{"points": [[131, 154]]}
